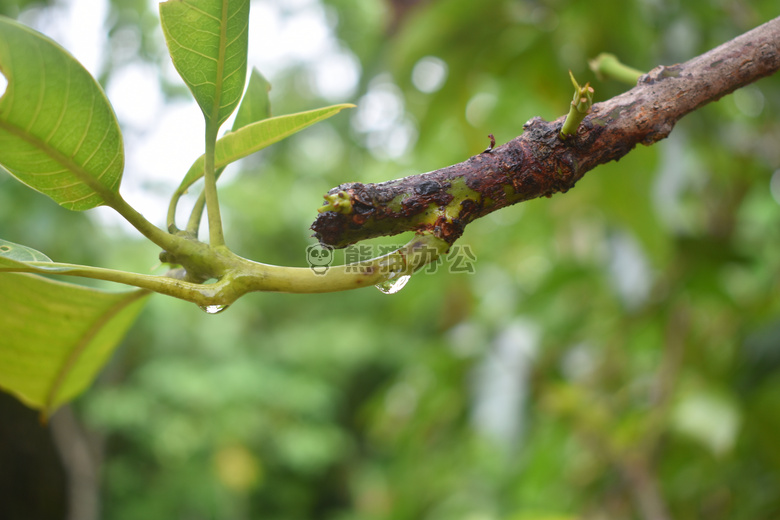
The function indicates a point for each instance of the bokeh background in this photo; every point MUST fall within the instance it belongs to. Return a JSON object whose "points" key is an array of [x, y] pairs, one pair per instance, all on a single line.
{"points": [[615, 352]]}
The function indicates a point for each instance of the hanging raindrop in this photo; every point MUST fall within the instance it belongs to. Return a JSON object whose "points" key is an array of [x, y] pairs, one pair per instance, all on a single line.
{"points": [[393, 286], [213, 309]]}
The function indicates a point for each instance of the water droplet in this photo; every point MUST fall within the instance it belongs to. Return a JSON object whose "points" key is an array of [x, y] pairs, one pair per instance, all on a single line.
{"points": [[213, 309], [393, 286]]}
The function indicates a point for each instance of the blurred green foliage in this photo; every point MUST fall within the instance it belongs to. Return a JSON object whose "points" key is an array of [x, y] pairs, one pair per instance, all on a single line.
{"points": [[615, 354]]}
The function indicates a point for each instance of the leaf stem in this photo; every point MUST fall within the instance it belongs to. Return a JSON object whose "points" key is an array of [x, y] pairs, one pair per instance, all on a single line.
{"points": [[170, 286], [171, 217], [420, 251], [216, 237], [193, 224], [242, 276], [115, 201]]}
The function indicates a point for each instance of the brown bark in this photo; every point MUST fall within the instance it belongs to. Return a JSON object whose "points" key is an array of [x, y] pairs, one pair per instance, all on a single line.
{"points": [[540, 163]]}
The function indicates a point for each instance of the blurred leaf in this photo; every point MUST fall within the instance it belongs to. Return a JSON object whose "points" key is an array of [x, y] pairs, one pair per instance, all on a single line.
{"points": [[208, 42], [237, 468], [15, 256], [256, 136], [58, 133], [19, 253], [711, 418], [255, 106], [57, 336]]}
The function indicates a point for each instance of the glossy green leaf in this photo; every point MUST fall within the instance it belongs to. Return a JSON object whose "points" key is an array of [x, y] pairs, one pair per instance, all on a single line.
{"points": [[58, 133], [57, 336], [207, 40], [256, 136], [255, 105]]}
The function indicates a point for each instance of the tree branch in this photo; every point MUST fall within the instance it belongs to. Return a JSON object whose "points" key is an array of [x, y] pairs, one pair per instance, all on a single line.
{"points": [[539, 163]]}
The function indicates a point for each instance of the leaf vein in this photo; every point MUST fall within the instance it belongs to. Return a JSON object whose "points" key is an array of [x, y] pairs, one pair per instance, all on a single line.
{"points": [[84, 342], [63, 111], [201, 11], [41, 90], [86, 131]]}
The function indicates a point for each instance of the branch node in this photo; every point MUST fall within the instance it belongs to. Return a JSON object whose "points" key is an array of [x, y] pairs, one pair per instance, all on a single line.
{"points": [[338, 202]]}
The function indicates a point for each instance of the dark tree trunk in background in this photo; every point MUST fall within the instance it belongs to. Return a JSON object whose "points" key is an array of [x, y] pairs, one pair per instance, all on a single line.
{"points": [[33, 483]]}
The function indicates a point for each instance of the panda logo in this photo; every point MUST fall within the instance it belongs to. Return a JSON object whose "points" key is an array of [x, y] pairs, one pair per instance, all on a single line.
{"points": [[319, 257]]}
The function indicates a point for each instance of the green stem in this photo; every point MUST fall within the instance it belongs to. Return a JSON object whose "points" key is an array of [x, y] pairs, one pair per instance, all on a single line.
{"points": [[607, 66], [171, 217], [165, 240], [243, 276], [579, 108], [216, 237], [170, 286], [193, 224], [420, 251]]}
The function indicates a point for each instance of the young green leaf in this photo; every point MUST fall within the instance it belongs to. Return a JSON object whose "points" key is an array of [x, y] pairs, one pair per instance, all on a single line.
{"points": [[256, 136], [58, 133], [57, 336], [255, 105], [207, 40]]}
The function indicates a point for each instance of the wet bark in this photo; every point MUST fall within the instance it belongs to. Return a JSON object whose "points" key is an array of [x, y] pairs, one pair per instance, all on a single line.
{"points": [[538, 162]]}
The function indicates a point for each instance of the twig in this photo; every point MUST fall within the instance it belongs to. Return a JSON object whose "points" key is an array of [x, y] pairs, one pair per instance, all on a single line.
{"points": [[607, 66], [579, 108], [538, 163]]}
